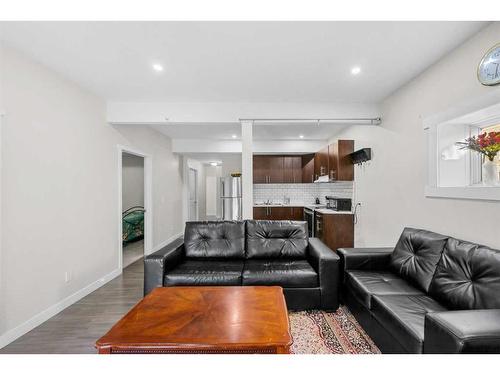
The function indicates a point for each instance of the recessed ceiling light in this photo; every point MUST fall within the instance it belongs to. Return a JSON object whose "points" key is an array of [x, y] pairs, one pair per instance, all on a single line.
{"points": [[301, 136], [213, 164], [355, 70], [158, 67], [234, 136]]}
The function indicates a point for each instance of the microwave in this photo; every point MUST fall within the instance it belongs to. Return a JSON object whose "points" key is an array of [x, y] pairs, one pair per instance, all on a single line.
{"points": [[338, 204]]}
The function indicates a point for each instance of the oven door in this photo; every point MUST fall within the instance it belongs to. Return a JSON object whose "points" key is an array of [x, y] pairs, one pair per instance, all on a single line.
{"points": [[309, 219]]}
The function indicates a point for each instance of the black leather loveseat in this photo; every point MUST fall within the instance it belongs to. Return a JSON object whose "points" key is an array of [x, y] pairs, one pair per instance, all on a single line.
{"points": [[250, 253], [430, 294]]}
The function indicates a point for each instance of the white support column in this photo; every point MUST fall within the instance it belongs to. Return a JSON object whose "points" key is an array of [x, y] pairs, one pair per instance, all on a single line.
{"points": [[247, 168]]}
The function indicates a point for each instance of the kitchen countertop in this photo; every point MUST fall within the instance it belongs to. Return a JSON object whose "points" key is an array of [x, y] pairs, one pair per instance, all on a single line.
{"points": [[326, 211], [321, 208], [292, 204]]}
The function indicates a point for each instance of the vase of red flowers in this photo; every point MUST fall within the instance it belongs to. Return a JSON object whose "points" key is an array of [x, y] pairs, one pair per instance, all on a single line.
{"points": [[487, 144]]}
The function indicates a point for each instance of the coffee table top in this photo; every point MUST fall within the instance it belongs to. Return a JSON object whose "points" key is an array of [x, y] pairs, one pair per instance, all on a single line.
{"points": [[204, 317]]}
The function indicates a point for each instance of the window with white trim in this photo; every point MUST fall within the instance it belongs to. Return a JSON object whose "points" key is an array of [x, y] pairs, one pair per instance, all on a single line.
{"points": [[455, 171]]}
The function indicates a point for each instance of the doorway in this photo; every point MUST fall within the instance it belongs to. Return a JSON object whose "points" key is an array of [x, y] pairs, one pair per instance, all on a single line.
{"points": [[134, 181], [193, 194]]}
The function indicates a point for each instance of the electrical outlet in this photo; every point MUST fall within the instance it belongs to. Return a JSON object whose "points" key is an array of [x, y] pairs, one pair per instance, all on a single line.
{"points": [[67, 276]]}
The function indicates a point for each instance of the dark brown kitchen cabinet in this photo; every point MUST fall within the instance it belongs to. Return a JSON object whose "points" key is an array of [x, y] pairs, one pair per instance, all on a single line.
{"points": [[268, 169], [276, 170], [278, 213], [308, 168], [260, 169], [260, 213], [297, 213], [321, 163], [340, 166], [292, 169], [335, 230]]}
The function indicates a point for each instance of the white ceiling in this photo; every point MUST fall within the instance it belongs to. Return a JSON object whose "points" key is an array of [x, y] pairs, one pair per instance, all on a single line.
{"points": [[217, 157], [238, 61]]}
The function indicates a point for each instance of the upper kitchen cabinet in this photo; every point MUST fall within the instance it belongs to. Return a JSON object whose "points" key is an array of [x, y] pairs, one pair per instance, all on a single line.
{"points": [[340, 167], [268, 169], [277, 169], [332, 161], [260, 169], [308, 168], [321, 163], [292, 169]]}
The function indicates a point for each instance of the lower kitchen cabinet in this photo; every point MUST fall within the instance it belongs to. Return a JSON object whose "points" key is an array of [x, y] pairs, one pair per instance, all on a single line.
{"points": [[260, 213], [278, 213], [335, 230]]}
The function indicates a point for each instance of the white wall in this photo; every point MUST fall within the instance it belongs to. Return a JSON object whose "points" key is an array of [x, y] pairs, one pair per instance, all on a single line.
{"points": [[59, 192], [391, 187], [231, 163], [132, 181], [212, 176]]}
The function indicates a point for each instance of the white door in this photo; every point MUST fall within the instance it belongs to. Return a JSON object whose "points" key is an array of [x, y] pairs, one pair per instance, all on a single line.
{"points": [[193, 194]]}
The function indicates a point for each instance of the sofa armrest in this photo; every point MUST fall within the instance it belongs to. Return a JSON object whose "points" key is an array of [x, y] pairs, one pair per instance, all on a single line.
{"points": [[464, 331], [368, 259], [156, 264], [326, 263]]}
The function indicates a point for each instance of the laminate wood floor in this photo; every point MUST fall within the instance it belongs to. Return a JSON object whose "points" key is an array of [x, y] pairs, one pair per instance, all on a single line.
{"points": [[132, 252], [77, 328]]}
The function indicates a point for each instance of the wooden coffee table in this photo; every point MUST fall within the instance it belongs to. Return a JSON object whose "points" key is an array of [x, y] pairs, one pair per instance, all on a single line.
{"points": [[219, 319]]}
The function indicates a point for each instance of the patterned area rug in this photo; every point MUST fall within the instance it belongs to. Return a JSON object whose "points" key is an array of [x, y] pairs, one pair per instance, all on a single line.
{"points": [[319, 332]]}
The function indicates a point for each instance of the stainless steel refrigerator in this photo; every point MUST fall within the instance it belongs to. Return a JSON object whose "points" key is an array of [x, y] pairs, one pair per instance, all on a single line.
{"points": [[230, 198]]}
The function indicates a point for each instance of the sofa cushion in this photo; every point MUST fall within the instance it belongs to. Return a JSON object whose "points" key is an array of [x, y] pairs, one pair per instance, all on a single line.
{"points": [[287, 273], [416, 255], [276, 239], [215, 239], [365, 284], [403, 316], [205, 272], [467, 277]]}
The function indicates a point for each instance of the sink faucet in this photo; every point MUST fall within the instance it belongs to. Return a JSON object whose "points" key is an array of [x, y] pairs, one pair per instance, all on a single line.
{"points": [[286, 200]]}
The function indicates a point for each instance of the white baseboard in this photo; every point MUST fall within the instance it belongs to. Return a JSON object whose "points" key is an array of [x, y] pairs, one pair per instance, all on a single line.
{"points": [[165, 243], [38, 319]]}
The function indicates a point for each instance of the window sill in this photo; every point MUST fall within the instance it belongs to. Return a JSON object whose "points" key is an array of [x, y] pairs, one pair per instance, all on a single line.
{"points": [[486, 193]]}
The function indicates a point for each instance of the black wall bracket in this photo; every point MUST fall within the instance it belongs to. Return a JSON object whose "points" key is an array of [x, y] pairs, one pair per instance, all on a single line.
{"points": [[361, 156]]}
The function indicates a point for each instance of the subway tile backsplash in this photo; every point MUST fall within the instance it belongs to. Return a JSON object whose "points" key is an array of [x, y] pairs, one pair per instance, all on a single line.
{"points": [[301, 193]]}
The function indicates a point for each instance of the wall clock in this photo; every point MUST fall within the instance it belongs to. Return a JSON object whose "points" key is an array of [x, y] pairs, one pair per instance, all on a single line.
{"points": [[488, 71]]}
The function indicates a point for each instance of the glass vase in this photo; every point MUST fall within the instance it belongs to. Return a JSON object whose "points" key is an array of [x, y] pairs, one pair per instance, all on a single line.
{"points": [[491, 173]]}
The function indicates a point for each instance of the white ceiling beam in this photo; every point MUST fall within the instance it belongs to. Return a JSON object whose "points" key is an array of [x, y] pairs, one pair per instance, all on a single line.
{"points": [[195, 146], [231, 112]]}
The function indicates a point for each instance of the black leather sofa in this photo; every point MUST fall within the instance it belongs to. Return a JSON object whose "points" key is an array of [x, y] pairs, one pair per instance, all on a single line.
{"points": [[250, 253], [430, 294]]}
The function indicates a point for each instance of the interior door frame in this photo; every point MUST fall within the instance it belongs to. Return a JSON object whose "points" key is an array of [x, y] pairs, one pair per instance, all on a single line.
{"points": [[148, 200]]}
